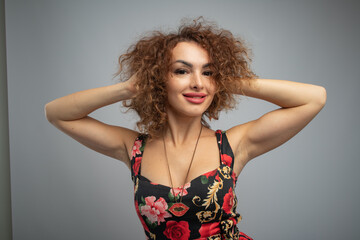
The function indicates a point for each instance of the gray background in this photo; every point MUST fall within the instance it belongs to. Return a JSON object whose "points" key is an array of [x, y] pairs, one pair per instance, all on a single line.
{"points": [[5, 201], [308, 188]]}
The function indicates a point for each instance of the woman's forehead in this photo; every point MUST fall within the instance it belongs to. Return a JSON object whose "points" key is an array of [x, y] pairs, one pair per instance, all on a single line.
{"points": [[190, 52]]}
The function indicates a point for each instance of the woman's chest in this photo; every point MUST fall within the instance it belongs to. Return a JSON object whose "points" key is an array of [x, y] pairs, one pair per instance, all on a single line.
{"points": [[178, 165], [203, 197]]}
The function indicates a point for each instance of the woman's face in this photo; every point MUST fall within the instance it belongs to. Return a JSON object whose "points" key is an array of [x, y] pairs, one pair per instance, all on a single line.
{"points": [[190, 85]]}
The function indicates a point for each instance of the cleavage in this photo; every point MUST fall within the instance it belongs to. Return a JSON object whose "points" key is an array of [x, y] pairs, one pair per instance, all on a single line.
{"points": [[155, 169]]}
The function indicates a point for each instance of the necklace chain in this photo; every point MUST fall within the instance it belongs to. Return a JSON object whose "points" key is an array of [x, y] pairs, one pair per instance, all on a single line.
{"points": [[192, 158]]}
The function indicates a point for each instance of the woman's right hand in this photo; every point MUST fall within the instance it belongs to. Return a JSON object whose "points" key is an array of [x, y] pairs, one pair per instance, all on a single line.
{"points": [[130, 85]]}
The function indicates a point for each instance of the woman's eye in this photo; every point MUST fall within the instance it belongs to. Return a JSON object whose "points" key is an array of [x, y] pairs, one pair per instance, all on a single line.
{"points": [[208, 73], [180, 71]]}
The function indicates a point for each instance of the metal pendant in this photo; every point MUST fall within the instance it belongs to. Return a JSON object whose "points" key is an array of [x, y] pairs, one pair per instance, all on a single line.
{"points": [[178, 209]]}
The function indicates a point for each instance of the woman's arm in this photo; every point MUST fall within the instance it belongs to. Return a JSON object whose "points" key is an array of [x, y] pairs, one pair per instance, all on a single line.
{"points": [[299, 104], [70, 115]]}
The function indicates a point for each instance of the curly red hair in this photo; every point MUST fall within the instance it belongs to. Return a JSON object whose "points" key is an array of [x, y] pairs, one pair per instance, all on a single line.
{"points": [[150, 58]]}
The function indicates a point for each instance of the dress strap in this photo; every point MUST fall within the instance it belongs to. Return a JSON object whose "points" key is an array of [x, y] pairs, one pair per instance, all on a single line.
{"points": [[226, 153], [136, 155]]}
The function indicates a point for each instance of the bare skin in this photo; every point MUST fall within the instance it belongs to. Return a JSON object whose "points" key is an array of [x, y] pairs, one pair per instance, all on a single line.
{"points": [[299, 103]]}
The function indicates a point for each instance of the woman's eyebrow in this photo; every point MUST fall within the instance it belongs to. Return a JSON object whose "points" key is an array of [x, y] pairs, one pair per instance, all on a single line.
{"points": [[207, 65], [190, 65], [184, 62]]}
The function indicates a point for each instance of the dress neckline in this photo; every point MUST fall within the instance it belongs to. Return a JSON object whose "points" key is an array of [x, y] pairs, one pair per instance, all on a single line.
{"points": [[219, 143], [142, 178]]}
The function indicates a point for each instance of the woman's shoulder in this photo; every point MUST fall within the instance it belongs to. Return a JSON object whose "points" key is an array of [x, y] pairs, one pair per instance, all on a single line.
{"points": [[237, 140], [237, 133], [129, 137], [232, 134]]}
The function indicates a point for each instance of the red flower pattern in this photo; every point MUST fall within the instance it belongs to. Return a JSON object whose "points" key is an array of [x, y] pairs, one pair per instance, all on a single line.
{"points": [[228, 201], [136, 148], [234, 178], [217, 178], [178, 190], [139, 215], [136, 165], [177, 230], [211, 173], [226, 159], [155, 211], [209, 229]]}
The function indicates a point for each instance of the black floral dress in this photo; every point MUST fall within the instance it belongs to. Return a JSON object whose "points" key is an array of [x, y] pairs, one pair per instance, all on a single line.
{"points": [[210, 198]]}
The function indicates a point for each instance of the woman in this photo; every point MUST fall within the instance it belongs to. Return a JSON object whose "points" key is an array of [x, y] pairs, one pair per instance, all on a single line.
{"points": [[185, 180]]}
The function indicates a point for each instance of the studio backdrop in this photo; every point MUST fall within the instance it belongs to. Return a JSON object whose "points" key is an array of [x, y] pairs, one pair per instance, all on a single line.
{"points": [[307, 188]]}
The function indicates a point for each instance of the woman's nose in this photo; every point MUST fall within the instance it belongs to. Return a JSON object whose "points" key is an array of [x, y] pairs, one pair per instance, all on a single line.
{"points": [[196, 81]]}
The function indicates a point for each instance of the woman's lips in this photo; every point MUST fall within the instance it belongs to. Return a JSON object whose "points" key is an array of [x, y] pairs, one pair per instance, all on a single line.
{"points": [[196, 98]]}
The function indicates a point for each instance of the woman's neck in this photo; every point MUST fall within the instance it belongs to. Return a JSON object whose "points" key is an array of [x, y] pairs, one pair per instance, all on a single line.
{"points": [[182, 130]]}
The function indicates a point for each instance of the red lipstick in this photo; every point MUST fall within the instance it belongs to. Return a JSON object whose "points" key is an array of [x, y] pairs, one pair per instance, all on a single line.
{"points": [[196, 98]]}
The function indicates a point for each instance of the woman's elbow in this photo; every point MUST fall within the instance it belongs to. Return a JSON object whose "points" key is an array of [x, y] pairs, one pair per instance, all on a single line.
{"points": [[322, 95], [317, 98], [48, 112]]}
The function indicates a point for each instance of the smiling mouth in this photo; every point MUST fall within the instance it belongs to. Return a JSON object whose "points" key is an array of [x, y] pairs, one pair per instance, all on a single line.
{"points": [[195, 98], [195, 95]]}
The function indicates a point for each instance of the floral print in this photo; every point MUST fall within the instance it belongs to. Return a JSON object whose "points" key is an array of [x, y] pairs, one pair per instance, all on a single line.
{"points": [[210, 174], [209, 198], [226, 159], [155, 211], [136, 148], [178, 190], [228, 201], [209, 229], [139, 215], [136, 165], [177, 230]]}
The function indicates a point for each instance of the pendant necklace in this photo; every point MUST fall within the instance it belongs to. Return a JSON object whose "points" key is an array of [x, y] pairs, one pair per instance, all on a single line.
{"points": [[179, 208]]}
